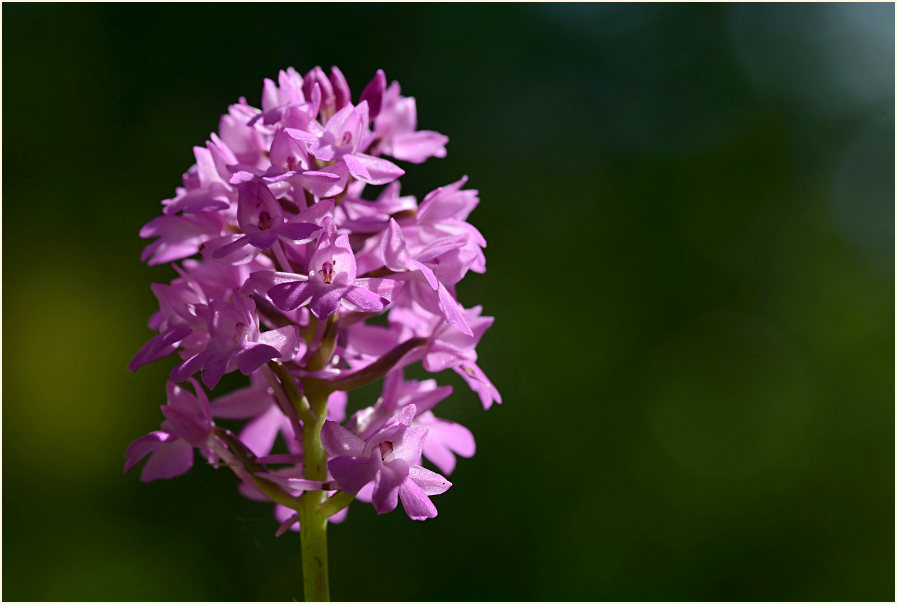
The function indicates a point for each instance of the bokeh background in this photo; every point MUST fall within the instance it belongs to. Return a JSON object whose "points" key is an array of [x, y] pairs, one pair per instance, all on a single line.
{"points": [[690, 216]]}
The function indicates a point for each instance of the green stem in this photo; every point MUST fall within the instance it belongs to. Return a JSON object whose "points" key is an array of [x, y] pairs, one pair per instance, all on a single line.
{"points": [[299, 403], [247, 460], [336, 504], [313, 532], [321, 356], [313, 529]]}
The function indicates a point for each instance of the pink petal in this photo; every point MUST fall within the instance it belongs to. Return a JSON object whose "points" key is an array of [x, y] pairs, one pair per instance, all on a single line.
{"points": [[145, 445], [326, 300], [341, 93], [181, 372], [409, 447], [291, 523], [416, 503], [440, 455], [325, 183], [168, 461], [452, 311], [392, 247], [356, 168], [254, 356], [285, 340], [230, 248], [352, 473], [430, 482], [259, 434], [215, 367], [187, 425], [159, 346], [419, 146], [373, 93], [364, 300], [243, 403], [298, 231], [380, 171], [338, 441], [426, 271], [290, 295], [386, 487], [385, 288]]}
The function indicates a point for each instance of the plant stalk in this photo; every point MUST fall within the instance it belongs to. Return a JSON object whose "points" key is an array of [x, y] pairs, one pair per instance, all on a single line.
{"points": [[313, 533], [313, 521]]}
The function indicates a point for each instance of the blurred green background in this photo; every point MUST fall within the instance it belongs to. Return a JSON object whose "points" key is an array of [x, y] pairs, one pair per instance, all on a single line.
{"points": [[690, 214]]}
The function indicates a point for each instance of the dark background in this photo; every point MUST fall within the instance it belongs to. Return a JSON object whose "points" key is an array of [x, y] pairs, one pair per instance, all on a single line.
{"points": [[690, 215]]}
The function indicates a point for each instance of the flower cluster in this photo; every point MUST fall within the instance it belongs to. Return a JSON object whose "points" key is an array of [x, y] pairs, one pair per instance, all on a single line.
{"points": [[283, 256]]}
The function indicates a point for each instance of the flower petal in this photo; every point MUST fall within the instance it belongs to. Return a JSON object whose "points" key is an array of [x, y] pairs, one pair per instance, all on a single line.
{"points": [[326, 300], [338, 441], [452, 311], [254, 356], [416, 503], [298, 231], [160, 346], [145, 445], [352, 473], [363, 299], [290, 295], [430, 482], [291, 523], [386, 486], [170, 460], [285, 340], [189, 427], [373, 93], [417, 147], [378, 170], [181, 372], [243, 403]]}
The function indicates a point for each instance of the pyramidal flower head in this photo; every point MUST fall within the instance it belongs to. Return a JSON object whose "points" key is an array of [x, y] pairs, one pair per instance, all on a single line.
{"points": [[299, 260]]}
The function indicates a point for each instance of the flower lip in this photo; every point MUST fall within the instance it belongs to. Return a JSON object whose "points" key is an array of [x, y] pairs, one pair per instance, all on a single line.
{"points": [[386, 450], [327, 271]]}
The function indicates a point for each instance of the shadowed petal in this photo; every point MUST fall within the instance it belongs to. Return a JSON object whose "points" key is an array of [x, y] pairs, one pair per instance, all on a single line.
{"points": [[259, 434], [160, 346], [386, 487], [169, 460], [189, 427], [215, 367], [262, 239], [226, 250], [181, 372], [254, 356], [243, 403], [291, 295], [145, 445], [326, 300], [290, 523], [352, 473], [337, 440], [298, 231]]}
